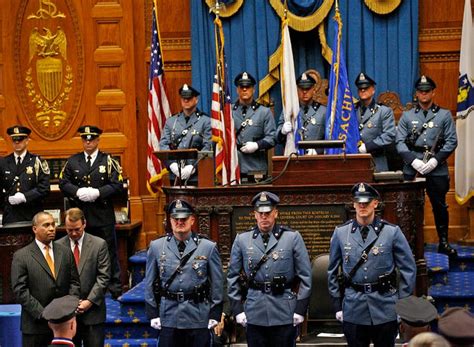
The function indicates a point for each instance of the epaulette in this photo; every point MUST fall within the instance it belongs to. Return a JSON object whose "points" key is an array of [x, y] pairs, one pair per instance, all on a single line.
{"points": [[385, 222], [200, 113], [345, 223], [203, 236], [277, 232]]}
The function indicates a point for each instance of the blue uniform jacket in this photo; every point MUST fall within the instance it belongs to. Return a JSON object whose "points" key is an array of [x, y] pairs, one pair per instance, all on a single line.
{"points": [[389, 252], [203, 266], [288, 257], [414, 125], [313, 124], [377, 131], [258, 125]]}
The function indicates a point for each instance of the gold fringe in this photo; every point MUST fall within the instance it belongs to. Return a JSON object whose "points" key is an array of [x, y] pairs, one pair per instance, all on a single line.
{"points": [[273, 76], [228, 10], [299, 23], [326, 51], [382, 6]]}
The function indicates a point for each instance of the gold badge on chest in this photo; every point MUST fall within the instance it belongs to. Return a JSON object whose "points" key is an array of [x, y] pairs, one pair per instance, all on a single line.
{"points": [[102, 169], [29, 170]]}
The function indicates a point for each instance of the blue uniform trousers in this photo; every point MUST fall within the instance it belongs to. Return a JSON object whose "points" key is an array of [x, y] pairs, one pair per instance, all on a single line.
{"points": [[172, 337], [271, 336], [382, 335]]}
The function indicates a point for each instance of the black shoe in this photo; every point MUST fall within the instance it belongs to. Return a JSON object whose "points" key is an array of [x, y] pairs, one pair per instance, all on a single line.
{"points": [[445, 248]]}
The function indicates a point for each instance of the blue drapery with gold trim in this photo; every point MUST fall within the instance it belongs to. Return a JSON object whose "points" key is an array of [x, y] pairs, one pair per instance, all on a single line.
{"points": [[385, 47]]}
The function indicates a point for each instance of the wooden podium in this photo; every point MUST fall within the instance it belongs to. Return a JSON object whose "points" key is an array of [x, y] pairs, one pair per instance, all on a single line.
{"points": [[323, 169]]}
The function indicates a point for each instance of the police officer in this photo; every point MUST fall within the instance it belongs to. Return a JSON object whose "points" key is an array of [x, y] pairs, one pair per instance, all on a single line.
{"points": [[24, 179], [272, 263], [311, 121], [61, 316], [426, 137], [456, 324], [376, 123], [90, 180], [183, 290], [254, 130], [370, 251], [190, 128], [416, 314]]}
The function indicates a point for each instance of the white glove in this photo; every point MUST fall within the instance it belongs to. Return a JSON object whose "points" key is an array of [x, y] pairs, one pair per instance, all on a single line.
{"points": [[155, 323], [93, 193], [286, 128], [249, 147], [186, 172], [17, 199], [174, 168], [339, 316], [417, 164], [212, 323], [428, 167], [362, 148], [83, 194], [297, 319], [241, 319], [311, 151]]}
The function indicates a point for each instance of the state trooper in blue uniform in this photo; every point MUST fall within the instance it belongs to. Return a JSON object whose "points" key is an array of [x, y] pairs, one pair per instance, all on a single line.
{"points": [[189, 128], [367, 307], [376, 123], [311, 121], [184, 282], [90, 180], [254, 130], [426, 137], [269, 278], [24, 179]]}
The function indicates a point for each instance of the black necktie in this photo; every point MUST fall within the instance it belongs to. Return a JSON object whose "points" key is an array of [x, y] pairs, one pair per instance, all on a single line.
{"points": [[305, 109], [181, 247], [244, 110], [425, 112], [362, 110], [364, 232], [265, 238], [89, 161], [18, 161]]}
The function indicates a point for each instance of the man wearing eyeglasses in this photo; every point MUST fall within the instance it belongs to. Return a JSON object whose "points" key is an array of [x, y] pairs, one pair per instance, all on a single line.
{"points": [[24, 178], [269, 278], [184, 287]]}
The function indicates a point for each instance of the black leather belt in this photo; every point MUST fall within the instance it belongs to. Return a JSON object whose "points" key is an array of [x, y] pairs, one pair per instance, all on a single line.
{"points": [[366, 287], [178, 296], [266, 287]]}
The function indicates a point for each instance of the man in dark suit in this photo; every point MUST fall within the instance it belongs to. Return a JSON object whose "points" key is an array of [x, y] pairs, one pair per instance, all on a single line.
{"points": [[24, 177], [90, 179], [40, 273], [93, 264]]}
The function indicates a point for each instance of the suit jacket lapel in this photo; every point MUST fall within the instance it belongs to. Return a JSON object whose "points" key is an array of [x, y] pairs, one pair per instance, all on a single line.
{"points": [[173, 247], [357, 237], [84, 254], [97, 161], [38, 255], [271, 242], [57, 260], [190, 246]]}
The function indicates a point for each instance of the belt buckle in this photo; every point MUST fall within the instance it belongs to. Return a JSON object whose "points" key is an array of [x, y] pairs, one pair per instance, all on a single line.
{"points": [[180, 297], [367, 288], [267, 287]]}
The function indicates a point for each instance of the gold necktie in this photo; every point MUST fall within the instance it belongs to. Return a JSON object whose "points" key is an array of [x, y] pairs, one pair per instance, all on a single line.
{"points": [[49, 260]]}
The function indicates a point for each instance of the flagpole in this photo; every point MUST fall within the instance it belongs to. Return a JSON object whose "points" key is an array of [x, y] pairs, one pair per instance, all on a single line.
{"points": [[337, 18]]}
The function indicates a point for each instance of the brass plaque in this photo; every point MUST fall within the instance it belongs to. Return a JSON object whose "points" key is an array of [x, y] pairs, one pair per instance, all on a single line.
{"points": [[316, 223]]}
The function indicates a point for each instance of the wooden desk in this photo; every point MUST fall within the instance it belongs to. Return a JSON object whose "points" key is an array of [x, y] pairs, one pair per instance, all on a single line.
{"points": [[218, 208]]}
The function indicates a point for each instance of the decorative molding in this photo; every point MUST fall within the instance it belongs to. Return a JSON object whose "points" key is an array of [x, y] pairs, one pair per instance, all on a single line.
{"points": [[175, 66], [439, 57], [440, 34], [176, 43]]}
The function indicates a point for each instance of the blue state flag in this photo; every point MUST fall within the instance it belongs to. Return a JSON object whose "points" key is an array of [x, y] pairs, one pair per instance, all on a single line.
{"points": [[341, 118]]}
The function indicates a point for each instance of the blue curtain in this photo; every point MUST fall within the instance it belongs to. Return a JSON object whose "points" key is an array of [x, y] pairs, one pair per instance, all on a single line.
{"points": [[385, 47]]}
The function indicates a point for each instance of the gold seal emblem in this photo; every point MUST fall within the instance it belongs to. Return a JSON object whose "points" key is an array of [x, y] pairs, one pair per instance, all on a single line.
{"points": [[102, 169], [369, 125], [430, 124], [263, 197], [178, 204], [29, 170], [375, 250], [275, 255], [16, 130], [87, 130], [361, 188]]}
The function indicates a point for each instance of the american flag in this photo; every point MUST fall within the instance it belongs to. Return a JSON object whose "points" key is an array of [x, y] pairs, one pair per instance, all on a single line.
{"points": [[222, 123], [158, 109]]}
